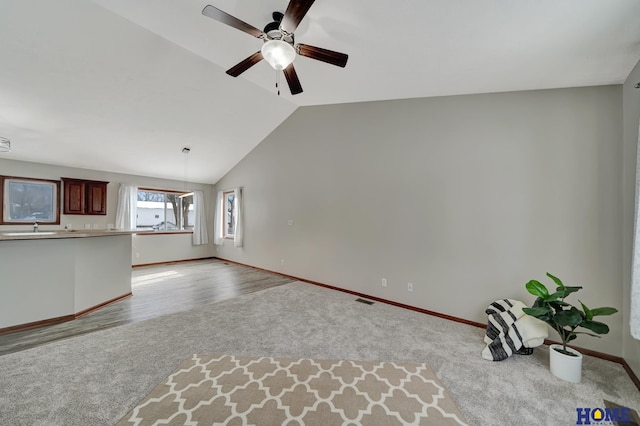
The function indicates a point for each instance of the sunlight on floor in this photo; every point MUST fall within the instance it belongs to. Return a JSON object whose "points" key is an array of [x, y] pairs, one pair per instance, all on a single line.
{"points": [[153, 278]]}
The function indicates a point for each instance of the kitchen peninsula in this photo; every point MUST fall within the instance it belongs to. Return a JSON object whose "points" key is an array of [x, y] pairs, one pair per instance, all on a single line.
{"points": [[50, 277]]}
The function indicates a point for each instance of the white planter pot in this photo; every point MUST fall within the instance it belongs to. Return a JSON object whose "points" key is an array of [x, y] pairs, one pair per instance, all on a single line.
{"points": [[565, 367]]}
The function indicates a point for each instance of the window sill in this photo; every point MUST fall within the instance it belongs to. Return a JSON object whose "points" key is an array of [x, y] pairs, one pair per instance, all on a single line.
{"points": [[146, 233]]}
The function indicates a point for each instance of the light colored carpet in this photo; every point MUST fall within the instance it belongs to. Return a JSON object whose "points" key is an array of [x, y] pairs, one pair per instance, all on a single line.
{"points": [[96, 379], [225, 389]]}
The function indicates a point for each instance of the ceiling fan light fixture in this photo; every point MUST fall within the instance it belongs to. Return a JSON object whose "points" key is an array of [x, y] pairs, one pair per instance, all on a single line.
{"points": [[279, 54]]}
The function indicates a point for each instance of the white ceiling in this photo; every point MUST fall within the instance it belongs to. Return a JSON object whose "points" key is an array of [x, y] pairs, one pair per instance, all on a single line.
{"points": [[124, 85]]}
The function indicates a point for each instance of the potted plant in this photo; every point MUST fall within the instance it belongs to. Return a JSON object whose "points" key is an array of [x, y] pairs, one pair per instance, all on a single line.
{"points": [[563, 317]]}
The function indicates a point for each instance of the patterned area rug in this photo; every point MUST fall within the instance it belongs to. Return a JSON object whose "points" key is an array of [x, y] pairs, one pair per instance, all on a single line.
{"points": [[223, 389]]}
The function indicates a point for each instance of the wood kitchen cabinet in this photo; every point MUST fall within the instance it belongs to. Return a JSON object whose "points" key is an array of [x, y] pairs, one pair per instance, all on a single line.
{"points": [[87, 197]]}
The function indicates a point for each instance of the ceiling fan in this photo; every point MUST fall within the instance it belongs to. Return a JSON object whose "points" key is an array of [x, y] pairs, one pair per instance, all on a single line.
{"points": [[279, 48]]}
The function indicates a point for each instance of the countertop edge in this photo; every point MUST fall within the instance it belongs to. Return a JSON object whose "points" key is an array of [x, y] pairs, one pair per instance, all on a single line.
{"points": [[47, 235]]}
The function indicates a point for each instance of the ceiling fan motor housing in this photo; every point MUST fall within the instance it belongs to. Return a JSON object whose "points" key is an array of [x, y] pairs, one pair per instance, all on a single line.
{"points": [[272, 29], [274, 32], [277, 16]]}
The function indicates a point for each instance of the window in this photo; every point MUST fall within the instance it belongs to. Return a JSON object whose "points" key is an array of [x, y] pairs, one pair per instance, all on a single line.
{"points": [[229, 224], [164, 210], [27, 200]]}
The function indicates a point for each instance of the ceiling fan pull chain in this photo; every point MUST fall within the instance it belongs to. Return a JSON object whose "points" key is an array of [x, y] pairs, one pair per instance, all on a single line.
{"points": [[278, 82]]}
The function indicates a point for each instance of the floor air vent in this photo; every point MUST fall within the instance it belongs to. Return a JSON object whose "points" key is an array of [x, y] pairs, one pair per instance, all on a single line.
{"points": [[366, 302]]}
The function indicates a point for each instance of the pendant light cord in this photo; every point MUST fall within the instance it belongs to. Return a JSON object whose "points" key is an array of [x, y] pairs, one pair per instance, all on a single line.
{"points": [[186, 152]]}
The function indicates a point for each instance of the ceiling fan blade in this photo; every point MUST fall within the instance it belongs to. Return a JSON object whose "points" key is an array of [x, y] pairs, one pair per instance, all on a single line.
{"points": [[292, 79], [325, 55], [294, 14], [225, 18], [241, 67]]}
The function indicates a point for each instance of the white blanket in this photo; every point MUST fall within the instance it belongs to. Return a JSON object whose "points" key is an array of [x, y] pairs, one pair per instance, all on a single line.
{"points": [[510, 330]]}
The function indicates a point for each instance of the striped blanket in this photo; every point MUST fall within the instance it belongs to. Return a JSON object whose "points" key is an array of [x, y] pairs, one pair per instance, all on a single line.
{"points": [[510, 330]]}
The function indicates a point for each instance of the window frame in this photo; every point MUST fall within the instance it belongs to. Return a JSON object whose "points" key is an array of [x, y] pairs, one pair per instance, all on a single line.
{"points": [[225, 199], [166, 192], [5, 211]]}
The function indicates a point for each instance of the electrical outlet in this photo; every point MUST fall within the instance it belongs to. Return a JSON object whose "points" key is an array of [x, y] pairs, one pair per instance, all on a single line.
{"points": [[384, 282], [409, 287]]}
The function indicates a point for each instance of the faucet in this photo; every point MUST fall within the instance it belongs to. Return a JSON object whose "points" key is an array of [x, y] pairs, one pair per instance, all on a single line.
{"points": [[35, 226]]}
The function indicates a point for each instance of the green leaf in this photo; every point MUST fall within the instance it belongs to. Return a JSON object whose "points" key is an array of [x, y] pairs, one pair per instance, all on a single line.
{"points": [[595, 326], [553, 297], [569, 290], [588, 334], [556, 306], [572, 336], [537, 312], [539, 303], [569, 318], [537, 289], [603, 311], [555, 280], [587, 312]]}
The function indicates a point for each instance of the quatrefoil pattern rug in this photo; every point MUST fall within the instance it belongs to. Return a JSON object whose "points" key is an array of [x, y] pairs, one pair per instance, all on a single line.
{"points": [[231, 390]]}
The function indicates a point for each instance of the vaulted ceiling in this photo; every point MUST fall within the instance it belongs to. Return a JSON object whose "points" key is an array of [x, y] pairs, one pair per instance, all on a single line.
{"points": [[123, 86]]}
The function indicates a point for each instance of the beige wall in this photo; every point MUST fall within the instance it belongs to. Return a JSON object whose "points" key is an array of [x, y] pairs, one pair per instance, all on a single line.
{"points": [[159, 248], [147, 249], [631, 97], [466, 197]]}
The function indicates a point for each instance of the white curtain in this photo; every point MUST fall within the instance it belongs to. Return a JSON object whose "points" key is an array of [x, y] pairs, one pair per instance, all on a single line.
{"points": [[126, 208], [200, 235], [218, 217], [634, 322], [238, 231]]}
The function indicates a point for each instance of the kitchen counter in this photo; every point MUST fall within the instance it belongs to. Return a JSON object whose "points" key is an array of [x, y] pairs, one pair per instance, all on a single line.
{"points": [[50, 277], [42, 235]]}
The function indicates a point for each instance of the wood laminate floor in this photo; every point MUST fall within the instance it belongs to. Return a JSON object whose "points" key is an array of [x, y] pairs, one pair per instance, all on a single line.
{"points": [[157, 290]]}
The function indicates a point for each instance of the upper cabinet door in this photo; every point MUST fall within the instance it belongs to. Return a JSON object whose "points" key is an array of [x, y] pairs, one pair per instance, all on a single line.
{"points": [[74, 196], [96, 202]]}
